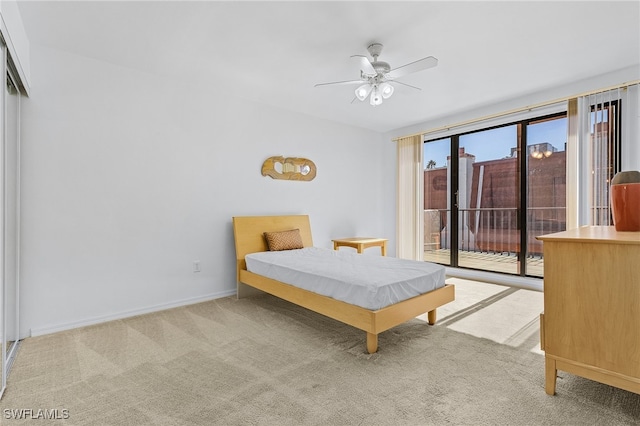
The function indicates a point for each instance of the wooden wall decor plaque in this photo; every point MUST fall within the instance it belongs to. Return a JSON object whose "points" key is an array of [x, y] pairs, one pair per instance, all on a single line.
{"points": [[289, 168]]}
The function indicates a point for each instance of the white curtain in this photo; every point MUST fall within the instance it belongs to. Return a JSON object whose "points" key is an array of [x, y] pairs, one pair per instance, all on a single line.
{"points": [[410, 204], [573, 165], [593, 155]]}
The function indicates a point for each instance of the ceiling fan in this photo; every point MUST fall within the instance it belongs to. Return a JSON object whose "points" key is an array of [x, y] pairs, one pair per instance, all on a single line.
{"points": [[375, 76]]}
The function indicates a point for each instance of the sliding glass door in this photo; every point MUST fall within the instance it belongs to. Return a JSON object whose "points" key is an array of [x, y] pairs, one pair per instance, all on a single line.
{"points": [[488, 200], [437, 201], [489, 193], [546, 174]]}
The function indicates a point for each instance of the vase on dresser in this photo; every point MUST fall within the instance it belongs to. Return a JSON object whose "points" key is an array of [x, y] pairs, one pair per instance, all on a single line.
{"points": [[625, 201]]}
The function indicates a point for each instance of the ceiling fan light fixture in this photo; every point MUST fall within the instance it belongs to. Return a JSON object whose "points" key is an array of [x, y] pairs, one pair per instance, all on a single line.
{"points": [[387, 90], [376, 75], [363, 91], [376, 97]]}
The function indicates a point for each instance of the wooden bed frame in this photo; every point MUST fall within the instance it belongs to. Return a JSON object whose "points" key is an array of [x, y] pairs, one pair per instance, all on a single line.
{"points": [[249, 238]]}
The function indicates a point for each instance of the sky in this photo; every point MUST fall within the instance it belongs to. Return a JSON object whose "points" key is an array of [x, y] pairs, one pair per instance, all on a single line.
{"points": [[497, 143]]}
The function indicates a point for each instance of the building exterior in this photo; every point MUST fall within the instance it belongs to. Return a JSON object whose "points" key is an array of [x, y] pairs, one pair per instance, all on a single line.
{"points": [[488, 201]]}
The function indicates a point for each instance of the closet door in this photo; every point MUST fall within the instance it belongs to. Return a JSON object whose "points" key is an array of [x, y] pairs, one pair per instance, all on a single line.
{"points": [[11, 211], [9, 216], [3, 295]]}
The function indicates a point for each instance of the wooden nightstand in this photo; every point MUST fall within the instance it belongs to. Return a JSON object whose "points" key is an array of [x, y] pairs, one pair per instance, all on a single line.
{"points": [[361, 243]]}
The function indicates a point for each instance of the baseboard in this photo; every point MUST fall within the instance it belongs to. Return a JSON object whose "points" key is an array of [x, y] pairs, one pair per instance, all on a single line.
{"points": [[528, 283], [39, 331]]}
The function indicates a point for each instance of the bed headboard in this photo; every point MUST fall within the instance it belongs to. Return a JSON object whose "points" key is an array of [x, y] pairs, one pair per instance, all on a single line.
{"points": [[248, 232]]}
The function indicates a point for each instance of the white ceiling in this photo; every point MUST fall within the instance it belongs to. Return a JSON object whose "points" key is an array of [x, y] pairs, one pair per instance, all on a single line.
{"points": [[274, 52]]}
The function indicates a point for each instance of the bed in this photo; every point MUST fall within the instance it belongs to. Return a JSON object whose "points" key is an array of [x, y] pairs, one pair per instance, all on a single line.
{"points": [[249, 239]]}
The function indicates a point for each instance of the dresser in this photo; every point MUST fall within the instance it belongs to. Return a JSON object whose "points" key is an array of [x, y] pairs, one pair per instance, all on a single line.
{"points": [[590, 326]]}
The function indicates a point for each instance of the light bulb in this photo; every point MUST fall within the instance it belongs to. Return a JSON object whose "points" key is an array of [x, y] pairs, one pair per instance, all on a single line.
{"points": [[363, 91], [387, 90], [376, 98]]}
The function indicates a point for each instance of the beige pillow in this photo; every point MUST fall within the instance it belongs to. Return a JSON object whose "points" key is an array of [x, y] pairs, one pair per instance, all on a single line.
{"points": [[284, 240]]}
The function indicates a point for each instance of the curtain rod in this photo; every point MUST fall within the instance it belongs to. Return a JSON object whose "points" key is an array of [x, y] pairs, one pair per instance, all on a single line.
{"points": [[517, 110]]}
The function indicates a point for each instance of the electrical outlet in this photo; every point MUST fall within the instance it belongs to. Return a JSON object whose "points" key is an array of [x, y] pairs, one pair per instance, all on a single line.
{"points": [[196, 266]]}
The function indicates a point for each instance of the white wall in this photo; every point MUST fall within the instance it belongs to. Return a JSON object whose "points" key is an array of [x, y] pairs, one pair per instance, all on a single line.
{"points": [[128, 178], [388, 186]]}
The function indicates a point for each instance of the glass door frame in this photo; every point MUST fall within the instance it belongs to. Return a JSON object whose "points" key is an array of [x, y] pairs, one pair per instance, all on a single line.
{"points": [[454, 218], [521, 183]]}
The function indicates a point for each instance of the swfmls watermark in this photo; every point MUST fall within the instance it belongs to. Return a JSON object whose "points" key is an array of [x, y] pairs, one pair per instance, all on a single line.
{"points": [[35, 413]]}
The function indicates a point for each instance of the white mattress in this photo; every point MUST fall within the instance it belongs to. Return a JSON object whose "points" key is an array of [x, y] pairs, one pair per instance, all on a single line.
{"points": [[371, 282]]}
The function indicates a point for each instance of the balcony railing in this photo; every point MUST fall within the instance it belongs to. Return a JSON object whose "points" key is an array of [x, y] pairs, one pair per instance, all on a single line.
{"points": [[492, 230]]}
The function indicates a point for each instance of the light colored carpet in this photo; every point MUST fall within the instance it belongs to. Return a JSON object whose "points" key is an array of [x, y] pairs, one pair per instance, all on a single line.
{"points": [[263, 361]]}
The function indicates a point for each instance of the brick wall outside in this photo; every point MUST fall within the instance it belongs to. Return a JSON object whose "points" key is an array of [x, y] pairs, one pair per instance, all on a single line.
{"points": [[500, 190]]}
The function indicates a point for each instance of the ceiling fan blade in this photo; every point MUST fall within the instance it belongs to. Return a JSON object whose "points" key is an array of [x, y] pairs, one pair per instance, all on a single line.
{"points": [[339, 83], [405, 84], [419, 65], [365, 65]]}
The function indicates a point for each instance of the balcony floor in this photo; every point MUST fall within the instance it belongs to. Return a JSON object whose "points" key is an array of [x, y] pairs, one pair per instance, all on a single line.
{"points": [[494, 262]]}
